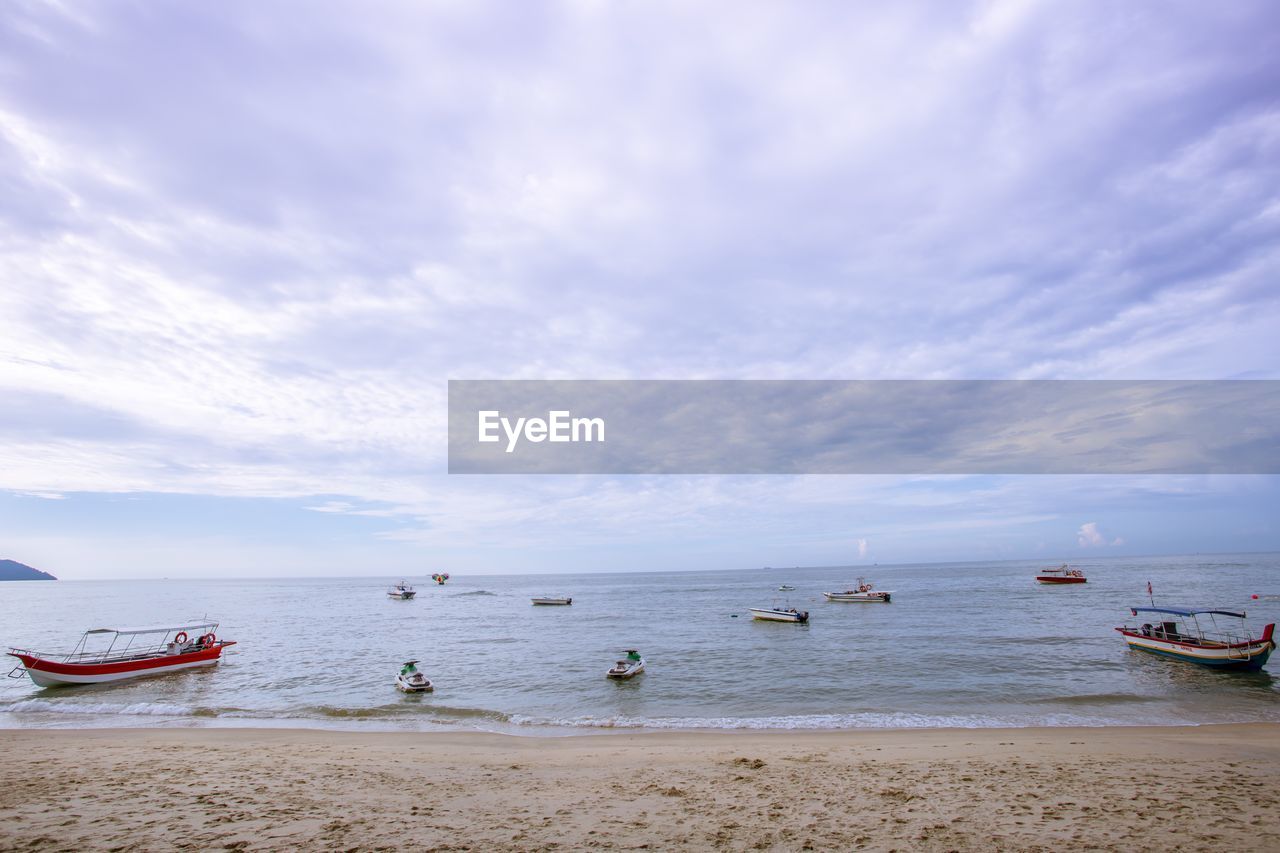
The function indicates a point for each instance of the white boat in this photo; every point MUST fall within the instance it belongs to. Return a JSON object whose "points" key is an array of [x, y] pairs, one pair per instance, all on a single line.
{"points": [[411, 679], [550, 600], [779, 614], [128, 653], [786, 587], [629, 667], [863, 592], [402, 591]]}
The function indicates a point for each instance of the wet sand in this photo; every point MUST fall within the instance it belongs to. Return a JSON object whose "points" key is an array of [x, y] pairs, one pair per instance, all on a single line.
{"points": [[1193, 788]]}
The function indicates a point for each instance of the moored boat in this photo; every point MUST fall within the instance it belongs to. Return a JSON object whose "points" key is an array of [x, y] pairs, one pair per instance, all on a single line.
{"points": [[779, 614], [412, 680], [552, 600], [1177, 633], [402, 591], [864, 591], [128, 653], [629, 667], [1060, 575], [786, 587]]}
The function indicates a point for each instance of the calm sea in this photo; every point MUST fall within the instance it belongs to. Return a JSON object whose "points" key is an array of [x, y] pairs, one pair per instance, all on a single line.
{"points": [[963, 644]]}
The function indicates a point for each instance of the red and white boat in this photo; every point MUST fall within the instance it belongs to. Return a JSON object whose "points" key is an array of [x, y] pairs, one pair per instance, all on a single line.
{"points": [[114, 654], [1176, 632], [1062, 574]]}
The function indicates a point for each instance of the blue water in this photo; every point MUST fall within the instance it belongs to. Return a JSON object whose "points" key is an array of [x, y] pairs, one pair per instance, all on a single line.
{"points": [[963, 644]]}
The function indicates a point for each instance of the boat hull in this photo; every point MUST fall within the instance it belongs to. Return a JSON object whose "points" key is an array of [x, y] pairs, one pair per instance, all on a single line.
{"points": [[1251, 655], [553, 602], [401, 596], [778, 615], [1056, 580], [50, 673]]}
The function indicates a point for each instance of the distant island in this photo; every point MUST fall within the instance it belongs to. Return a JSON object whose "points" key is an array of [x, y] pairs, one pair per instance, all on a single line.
{"points": [[12, 570]]}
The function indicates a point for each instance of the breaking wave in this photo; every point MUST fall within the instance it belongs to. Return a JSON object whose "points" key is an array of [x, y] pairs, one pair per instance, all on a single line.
{"points": [[134, 709]]}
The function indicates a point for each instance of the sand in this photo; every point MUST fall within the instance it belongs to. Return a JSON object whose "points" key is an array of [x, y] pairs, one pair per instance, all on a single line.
{"points": [[1195, 788]]}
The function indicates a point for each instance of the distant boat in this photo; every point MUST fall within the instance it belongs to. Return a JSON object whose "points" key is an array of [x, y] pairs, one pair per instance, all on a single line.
{"points": [[1178, 634], [629, 667], [411, 679], [1062, 574], [770, 614], [440, 577], [130, 653], [786, 587], [403, 591], [863, 592], [549, 600]]}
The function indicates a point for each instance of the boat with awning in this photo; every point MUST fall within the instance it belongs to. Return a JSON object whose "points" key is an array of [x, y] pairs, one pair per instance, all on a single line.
{"points": [[114, 654], [1202, 635]]}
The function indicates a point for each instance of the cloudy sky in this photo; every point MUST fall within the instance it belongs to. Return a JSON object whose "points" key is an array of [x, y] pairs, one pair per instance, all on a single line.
{"points": [[243, 246]]}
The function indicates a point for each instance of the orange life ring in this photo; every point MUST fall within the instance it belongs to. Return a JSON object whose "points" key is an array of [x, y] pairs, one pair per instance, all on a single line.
{"points": [[180, 637], [209, 640]]}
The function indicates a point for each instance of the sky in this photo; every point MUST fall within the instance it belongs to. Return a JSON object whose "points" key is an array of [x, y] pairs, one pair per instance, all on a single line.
{"points": [[244, 246]]}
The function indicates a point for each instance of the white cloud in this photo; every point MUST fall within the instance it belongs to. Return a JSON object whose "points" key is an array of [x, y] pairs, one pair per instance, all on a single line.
{"points": [[253, 277], [1090, 535]]}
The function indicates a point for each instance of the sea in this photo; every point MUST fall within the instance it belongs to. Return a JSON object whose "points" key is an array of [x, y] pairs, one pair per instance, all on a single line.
{"points": [[975, 644]]}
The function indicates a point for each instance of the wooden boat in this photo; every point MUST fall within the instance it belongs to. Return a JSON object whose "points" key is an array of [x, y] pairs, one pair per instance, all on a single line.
{"points": [[1060, 575], [551, 600], [128, 653], [411, 679], [789, 614], [863, 592], [402, 591], [1177, 633], [629, 667]]}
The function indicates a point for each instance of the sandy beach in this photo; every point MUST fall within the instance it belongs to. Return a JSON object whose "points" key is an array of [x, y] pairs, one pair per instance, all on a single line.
{"points": [[1194, 788]]}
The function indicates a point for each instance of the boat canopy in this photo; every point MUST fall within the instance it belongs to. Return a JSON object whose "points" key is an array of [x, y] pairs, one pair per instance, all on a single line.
{"points": [[1185, 611], [195, 626]]}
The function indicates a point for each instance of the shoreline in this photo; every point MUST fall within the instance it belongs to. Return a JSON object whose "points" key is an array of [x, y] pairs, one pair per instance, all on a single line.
{"points": [[1172, 787]]}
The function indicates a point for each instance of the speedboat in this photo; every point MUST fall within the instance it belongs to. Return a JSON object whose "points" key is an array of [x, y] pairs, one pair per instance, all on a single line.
{"points": [[629, 667], [863, 592], [440, 577], [552, 600], [1176, 632], [1062, 574], [402, 591], [411, 679], [128, 653], [789, 614], [786, 587]]}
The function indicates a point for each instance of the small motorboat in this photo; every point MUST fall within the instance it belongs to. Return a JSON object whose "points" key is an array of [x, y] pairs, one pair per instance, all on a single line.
{"points": [[402, 591], [553, 600], [129, 653], [786, 587], [629, 667], [862, 592], [411, 679], [1179, 634], [440, 577], [1060, 575], [779, 614]]}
